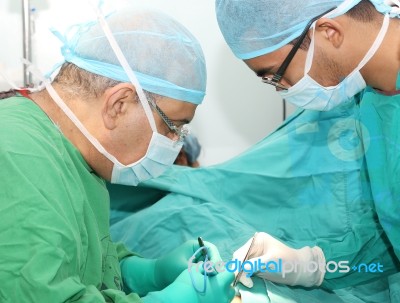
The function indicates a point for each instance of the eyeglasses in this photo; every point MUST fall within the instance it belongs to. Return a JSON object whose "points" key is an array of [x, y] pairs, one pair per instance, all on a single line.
{"points": [[181, 131], [276, 78]]}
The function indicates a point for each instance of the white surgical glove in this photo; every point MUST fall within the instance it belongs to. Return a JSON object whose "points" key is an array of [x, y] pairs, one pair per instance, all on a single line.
{"points": [[304, 266]]}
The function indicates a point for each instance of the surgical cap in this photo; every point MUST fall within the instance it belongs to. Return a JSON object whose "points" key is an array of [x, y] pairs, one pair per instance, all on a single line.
{"points": [[192, 148], [166, 58], [256, 27]]}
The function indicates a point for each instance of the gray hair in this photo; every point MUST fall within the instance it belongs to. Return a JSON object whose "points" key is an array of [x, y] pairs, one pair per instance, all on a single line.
{"points": [[78, 82]]}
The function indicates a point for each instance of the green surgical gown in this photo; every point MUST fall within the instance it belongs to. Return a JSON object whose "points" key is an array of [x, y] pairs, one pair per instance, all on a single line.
{"points": [[54, 214]]}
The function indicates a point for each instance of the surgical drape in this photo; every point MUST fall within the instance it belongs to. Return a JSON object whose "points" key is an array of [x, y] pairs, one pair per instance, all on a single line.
{"points": [[306, 184]]}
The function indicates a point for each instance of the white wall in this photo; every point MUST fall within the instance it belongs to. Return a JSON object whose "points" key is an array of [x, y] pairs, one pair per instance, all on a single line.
{"points": [[238, 110]]}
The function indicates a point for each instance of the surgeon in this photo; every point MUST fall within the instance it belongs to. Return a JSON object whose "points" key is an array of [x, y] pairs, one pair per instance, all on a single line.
{"points": [[318, 55], [95, 123]]}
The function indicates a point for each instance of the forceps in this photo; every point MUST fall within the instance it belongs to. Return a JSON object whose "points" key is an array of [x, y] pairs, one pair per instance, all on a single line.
{"points": [[244, 260]]}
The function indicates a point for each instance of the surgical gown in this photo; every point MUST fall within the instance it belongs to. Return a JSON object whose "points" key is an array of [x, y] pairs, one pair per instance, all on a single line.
{"points": [[306, 184], [54, 216], [381, 115]]}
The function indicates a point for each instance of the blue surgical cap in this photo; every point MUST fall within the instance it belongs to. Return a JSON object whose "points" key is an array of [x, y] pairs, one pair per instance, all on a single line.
{"points": [[166, 58], [256, 27], [192, 148]]}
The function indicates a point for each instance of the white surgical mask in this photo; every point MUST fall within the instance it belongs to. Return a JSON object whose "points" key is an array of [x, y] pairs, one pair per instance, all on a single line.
{"points": [[160, 155], [309, 94]]}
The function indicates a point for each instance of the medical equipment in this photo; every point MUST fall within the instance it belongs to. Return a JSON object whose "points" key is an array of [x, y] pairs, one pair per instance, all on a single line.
{"points": [[244, 260], [27, 38], [201, 244], [204, 252]]}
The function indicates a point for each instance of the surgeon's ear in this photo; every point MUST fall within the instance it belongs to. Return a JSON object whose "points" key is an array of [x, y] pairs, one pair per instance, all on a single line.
{"points": [[331, 30], [116, 103]]}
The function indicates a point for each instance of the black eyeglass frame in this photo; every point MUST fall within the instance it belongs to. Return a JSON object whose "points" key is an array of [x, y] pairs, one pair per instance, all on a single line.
{"points": [[276, 78]]}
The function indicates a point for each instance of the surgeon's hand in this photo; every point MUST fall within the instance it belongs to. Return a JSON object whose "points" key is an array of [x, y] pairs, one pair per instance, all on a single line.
{"points": [[218, 290], [145, 275], [298, 266]]}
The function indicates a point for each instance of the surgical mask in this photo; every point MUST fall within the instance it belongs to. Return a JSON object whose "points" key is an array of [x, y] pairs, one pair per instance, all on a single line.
{"points": [[161, 152], [160, 155], [309, 94]]}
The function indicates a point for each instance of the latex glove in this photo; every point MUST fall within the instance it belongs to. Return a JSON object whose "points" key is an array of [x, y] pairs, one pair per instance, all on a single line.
{"points": [[304, 266], [219, 289], [145, 275]]}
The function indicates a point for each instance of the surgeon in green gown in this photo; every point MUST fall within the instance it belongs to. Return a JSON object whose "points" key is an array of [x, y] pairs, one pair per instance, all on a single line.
{"points": [[95, 123]]}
